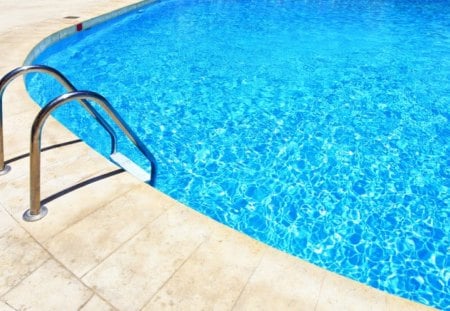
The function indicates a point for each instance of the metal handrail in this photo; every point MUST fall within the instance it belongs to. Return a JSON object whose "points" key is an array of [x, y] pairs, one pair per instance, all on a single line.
{"points": [[13, 74], [37, 211]]}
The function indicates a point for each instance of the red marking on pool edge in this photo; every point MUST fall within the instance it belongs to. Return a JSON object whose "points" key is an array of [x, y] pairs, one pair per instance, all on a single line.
{"points": [[80, 27]]}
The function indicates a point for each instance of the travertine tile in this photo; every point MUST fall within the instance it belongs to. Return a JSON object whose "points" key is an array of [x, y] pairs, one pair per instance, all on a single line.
{"points": [[396, 303], [6, 221], [70, 207], [14, 190], [340, 293], [50, 287], [108, 228], [96, 304], [60, 168], [213, 277], [282, 282], [17, 138], [9, 60], [76, 205], [5, 307], [48, 157], [132, 275], [19, 255]]}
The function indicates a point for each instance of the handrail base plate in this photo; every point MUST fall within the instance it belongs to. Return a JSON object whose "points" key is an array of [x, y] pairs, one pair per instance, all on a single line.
{"points": [[27, 216], [5, 170]]}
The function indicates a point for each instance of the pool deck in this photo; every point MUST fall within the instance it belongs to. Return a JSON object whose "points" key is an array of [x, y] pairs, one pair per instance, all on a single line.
{"points": [[110, 242]]}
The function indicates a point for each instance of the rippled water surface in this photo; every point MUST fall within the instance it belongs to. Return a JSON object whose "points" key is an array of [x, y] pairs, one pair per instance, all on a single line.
{"points": [[319, 127]]}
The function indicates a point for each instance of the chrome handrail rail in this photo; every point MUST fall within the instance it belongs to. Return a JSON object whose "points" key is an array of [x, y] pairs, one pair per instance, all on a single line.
{"points": [[37, 211], [13, 74]]}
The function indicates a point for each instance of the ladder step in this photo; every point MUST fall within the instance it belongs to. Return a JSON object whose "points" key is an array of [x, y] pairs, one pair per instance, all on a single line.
{"points": [[130, 166]]}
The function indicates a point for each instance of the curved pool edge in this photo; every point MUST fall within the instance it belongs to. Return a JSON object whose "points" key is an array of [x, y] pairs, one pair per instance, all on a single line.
{"points": [[81, 25], [136, 235]]}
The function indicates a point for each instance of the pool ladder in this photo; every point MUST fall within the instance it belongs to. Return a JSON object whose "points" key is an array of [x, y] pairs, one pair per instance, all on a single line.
{"points": [[38, 211]]}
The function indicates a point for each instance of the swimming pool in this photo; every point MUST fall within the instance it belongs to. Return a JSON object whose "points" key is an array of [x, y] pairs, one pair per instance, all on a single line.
{"points": [[319, 127]]}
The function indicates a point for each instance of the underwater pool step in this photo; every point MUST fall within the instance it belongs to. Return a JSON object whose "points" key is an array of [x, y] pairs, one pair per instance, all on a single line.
{"points": [[131, 167]]}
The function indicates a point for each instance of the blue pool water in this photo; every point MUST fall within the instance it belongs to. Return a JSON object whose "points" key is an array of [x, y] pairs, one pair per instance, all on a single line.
{"points": [[318, 127]]}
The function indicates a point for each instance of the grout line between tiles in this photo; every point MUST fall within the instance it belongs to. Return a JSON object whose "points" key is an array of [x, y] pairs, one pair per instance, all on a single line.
{"points": [[176, 270], [320, 291], [51, 257], [95, 294], [125, 242], [105, 205], [249, 278], [60, 264], [102, 298], [25, 277], [86, 302], [386, 305], [12, 308]]}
